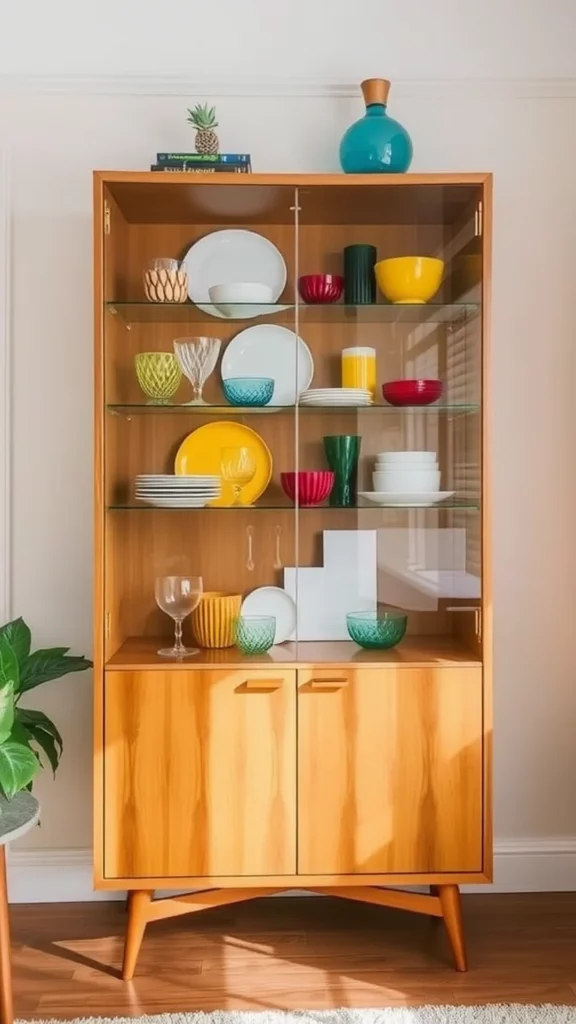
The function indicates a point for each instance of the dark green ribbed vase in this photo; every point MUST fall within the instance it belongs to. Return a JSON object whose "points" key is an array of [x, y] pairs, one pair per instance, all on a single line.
{"points": [[342, 452], [359, 280]]}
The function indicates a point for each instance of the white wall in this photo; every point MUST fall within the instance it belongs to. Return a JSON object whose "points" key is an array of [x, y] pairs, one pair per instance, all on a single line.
{"points": [[55, 139]]}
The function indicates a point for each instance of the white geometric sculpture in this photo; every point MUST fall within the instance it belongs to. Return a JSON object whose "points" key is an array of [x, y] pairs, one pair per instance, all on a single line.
{"points": [[346, 583]]}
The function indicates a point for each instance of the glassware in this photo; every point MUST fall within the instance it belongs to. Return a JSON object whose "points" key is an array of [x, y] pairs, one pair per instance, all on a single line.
{"points": [[377, 630], [166, 280], [238, 466], [376, 143], [178, 596], [359, 369], [158, 375], [255, 633], [197, 358], [359, 280], [342, 452]]}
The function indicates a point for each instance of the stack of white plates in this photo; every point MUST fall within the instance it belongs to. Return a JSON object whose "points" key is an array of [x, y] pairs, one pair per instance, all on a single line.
{"points": [[336, 396], [169, 491]]}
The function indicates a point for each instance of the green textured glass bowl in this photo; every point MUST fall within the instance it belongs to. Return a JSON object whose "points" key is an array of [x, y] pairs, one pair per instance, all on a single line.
{"points": [[255, 633], [377, 630]]}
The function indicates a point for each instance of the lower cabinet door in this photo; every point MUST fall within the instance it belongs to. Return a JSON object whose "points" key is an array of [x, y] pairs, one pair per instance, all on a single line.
{"points": [[390, 771], [199, 773]]}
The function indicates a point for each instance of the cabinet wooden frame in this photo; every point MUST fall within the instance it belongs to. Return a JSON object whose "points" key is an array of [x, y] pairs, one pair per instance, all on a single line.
{"points": [[133, 213]]}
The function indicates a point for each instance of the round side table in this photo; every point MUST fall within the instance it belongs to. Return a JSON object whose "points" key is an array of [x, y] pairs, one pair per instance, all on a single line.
{"points": [[17, 816]]}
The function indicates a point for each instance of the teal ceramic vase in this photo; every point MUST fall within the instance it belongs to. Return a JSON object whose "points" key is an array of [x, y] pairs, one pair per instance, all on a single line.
{"points": [[376, 144]]}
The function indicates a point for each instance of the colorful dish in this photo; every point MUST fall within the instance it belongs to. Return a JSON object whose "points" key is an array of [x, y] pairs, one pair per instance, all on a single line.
{"points": [[200, 452]]}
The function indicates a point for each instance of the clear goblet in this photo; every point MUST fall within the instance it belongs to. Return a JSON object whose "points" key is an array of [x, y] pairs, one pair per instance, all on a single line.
{"points": [[197, 358], [237, 466], [178, 596]]}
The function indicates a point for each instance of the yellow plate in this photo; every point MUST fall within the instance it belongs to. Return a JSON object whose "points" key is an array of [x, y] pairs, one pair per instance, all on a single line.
{"points": [[200, 453]]}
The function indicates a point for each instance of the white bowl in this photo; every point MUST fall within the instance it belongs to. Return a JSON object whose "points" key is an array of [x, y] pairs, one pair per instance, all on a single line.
{"points": [[408, 457], [243, 291], [417, 481], [403, 467]]}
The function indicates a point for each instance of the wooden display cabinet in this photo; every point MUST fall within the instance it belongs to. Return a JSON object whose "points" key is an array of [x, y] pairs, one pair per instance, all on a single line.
{"points": [[318, 765]]}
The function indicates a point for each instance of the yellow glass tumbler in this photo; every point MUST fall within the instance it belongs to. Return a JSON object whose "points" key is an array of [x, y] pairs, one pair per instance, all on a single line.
{"points": [[359, 369]]}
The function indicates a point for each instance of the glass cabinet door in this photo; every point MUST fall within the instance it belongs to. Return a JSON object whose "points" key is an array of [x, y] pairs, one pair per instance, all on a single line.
{"points": [[396, 544]]}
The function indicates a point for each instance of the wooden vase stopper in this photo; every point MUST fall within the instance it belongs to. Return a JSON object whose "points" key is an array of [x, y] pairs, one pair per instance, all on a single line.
{"points": [[375, 90]]}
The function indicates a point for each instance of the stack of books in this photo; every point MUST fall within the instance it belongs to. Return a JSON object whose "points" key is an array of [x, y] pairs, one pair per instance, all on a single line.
{"points": [[230, 163]]}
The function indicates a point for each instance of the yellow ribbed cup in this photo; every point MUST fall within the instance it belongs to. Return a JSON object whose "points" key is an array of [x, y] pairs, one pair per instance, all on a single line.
{"points": [[213, 619]]}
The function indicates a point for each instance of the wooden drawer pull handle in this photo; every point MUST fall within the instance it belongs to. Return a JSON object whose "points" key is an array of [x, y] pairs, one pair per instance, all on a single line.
{"points": [[263, 684], [328, 684]]}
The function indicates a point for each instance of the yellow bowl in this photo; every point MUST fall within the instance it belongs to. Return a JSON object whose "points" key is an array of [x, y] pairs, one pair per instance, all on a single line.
{"points": [[213, 619], [409, 280]]}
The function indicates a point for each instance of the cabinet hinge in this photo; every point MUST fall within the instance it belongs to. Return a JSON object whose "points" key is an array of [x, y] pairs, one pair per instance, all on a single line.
{"points": [[106, 219], [478, 220], [107, 625]]}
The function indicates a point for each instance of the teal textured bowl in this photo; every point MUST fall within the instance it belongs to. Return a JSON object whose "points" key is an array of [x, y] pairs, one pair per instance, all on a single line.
{"points": [[377, 630], [248, 390], [255, 633]]}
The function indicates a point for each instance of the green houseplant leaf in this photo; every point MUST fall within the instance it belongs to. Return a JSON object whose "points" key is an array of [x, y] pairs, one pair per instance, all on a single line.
{"points": [[44, 665], [6, 711], [18, 766], [8, 665], [39, 729], [18, 635]]}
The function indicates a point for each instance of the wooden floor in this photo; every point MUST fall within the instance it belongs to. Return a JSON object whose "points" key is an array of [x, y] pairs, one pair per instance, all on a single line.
{"points": [[306, 953]]}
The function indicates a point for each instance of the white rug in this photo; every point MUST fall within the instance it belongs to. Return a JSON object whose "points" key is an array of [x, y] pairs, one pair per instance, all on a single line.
{"points": [[513, 1013]]}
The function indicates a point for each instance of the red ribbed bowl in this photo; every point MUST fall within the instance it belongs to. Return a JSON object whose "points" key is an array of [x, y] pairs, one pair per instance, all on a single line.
{"points": [[313, 487], [320, 287], [412, 392]]}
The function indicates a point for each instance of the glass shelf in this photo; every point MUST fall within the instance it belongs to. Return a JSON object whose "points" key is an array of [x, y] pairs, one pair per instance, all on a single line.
{"points": [[465, 504], [379, 312], [143, 409]]}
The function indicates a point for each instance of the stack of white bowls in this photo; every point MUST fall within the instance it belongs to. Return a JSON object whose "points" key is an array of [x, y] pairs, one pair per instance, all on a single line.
{"points": [[406, 473]]}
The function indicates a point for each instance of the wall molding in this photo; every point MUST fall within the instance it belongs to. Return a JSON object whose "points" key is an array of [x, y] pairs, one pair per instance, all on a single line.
{"points": [[5, 395], [54, 876], [265, 87]]}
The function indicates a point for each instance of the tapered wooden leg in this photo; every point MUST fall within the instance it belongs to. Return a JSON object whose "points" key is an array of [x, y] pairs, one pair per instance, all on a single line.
{"points": [[138, 904], [452, 913], [6, 1003]]}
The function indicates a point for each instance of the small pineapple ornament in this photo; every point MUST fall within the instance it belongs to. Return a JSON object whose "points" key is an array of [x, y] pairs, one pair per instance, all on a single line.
{"points": [[204, 120]]}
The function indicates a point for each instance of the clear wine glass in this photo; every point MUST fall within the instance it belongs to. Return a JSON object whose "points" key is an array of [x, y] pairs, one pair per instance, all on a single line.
{"points": [[237, 466], [197, 358], [178, 597]]}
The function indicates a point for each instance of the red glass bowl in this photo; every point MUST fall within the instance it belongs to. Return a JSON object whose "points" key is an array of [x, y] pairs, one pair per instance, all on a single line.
{"points": [[412, 392], [317, 288], [313, 487]]}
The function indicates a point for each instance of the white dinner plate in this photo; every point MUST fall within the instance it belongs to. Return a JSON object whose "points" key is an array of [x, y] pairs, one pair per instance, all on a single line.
{"points": [[335, 403], [352, 392], [423, 500], [229, 257], [178, 495], [190, 503], [178, 481], [268, 350], [273, 601]]}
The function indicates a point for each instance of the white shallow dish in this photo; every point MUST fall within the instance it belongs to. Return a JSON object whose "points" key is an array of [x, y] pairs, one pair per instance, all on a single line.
{"points": [[232, 256], [181, 503], [352, 402], [268, 350], [273, 601], [423, 500]]}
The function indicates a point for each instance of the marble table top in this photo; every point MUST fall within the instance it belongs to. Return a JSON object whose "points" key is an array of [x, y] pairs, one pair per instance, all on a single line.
{"points": [[17, 816]]}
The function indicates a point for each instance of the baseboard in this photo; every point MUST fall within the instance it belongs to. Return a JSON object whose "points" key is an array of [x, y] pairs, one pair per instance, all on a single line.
{"points": [[65, 876]]}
